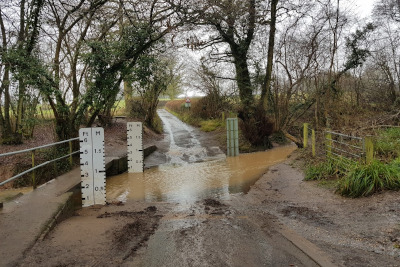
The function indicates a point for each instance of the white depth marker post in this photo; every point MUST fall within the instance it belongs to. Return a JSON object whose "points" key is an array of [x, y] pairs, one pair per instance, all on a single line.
{"points": [[93, 174], [135, 147], [232, 134]]}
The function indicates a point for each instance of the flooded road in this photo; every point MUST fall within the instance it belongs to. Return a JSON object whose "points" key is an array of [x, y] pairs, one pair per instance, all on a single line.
{"points": [[194, 213], [192, 171]]}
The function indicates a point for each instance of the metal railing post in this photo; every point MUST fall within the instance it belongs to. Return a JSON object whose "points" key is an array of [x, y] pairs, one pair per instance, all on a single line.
{"points": [[70, 152], [34, 171]]}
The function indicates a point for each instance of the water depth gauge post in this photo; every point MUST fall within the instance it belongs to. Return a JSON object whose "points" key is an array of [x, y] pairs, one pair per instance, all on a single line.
{"points": [[93, 175]]}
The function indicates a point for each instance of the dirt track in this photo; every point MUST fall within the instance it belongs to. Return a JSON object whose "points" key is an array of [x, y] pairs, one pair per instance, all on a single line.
{"points": [[355, 232]]}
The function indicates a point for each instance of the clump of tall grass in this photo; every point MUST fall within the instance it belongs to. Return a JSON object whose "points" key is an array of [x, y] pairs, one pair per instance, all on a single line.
{"points": [[366, 179], [332, 167]]}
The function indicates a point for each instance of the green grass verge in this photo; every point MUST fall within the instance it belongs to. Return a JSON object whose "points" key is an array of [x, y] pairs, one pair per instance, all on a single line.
{"points": [[366, 179], [357, 179], [210, 125], [327, 169]]}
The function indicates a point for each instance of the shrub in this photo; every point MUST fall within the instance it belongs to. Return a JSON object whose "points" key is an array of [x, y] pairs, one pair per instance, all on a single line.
{"points": [[210, 107], [157, 124], [175, 105], [279, 138], [256, 127]]}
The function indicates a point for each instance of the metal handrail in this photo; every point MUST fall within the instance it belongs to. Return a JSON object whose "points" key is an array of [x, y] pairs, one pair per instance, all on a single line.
{"points": [[36, 167], [38, 147], [42, 164]]}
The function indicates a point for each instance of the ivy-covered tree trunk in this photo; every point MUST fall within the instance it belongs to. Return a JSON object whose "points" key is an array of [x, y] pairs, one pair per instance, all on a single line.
{"points": [[128, 91], [65, 129], [266, 94], [20, 112], [243, 81], [7, 132]]}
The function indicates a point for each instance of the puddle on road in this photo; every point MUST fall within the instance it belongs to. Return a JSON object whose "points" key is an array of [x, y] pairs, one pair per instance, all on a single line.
{"points": [[189, 182]]}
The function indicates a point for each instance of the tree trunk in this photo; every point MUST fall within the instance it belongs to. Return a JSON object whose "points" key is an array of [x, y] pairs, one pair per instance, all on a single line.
{"points": [[265, 99], [243, 81], [128, 91], [7, 133], [65, 128], [20, 112]]}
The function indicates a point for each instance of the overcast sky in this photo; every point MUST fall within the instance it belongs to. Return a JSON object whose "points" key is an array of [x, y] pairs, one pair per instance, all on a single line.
{"points": [[364, 7]]}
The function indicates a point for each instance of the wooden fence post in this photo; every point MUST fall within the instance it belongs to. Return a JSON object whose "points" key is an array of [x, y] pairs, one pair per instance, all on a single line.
{"points": [[305, 134], [313, 142], [328, 138], [369, 149]]}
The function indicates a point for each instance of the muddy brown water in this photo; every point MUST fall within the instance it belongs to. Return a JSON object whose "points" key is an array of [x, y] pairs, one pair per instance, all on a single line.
{"points": [[189, 182]]}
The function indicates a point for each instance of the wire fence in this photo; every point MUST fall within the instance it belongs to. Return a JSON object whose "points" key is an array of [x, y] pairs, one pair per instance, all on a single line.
{"points": [[32, 151]]}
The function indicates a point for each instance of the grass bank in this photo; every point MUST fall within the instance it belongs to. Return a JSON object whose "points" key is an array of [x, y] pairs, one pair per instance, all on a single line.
{"points": [[358, 179]]}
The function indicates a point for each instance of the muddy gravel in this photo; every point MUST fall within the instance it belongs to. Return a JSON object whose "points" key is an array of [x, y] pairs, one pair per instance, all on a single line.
{"points": [[355, 232], [99, 236]]}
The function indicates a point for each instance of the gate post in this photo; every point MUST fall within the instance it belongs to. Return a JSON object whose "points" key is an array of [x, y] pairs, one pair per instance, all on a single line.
{"points": [[369, 149], [328, 137]]}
